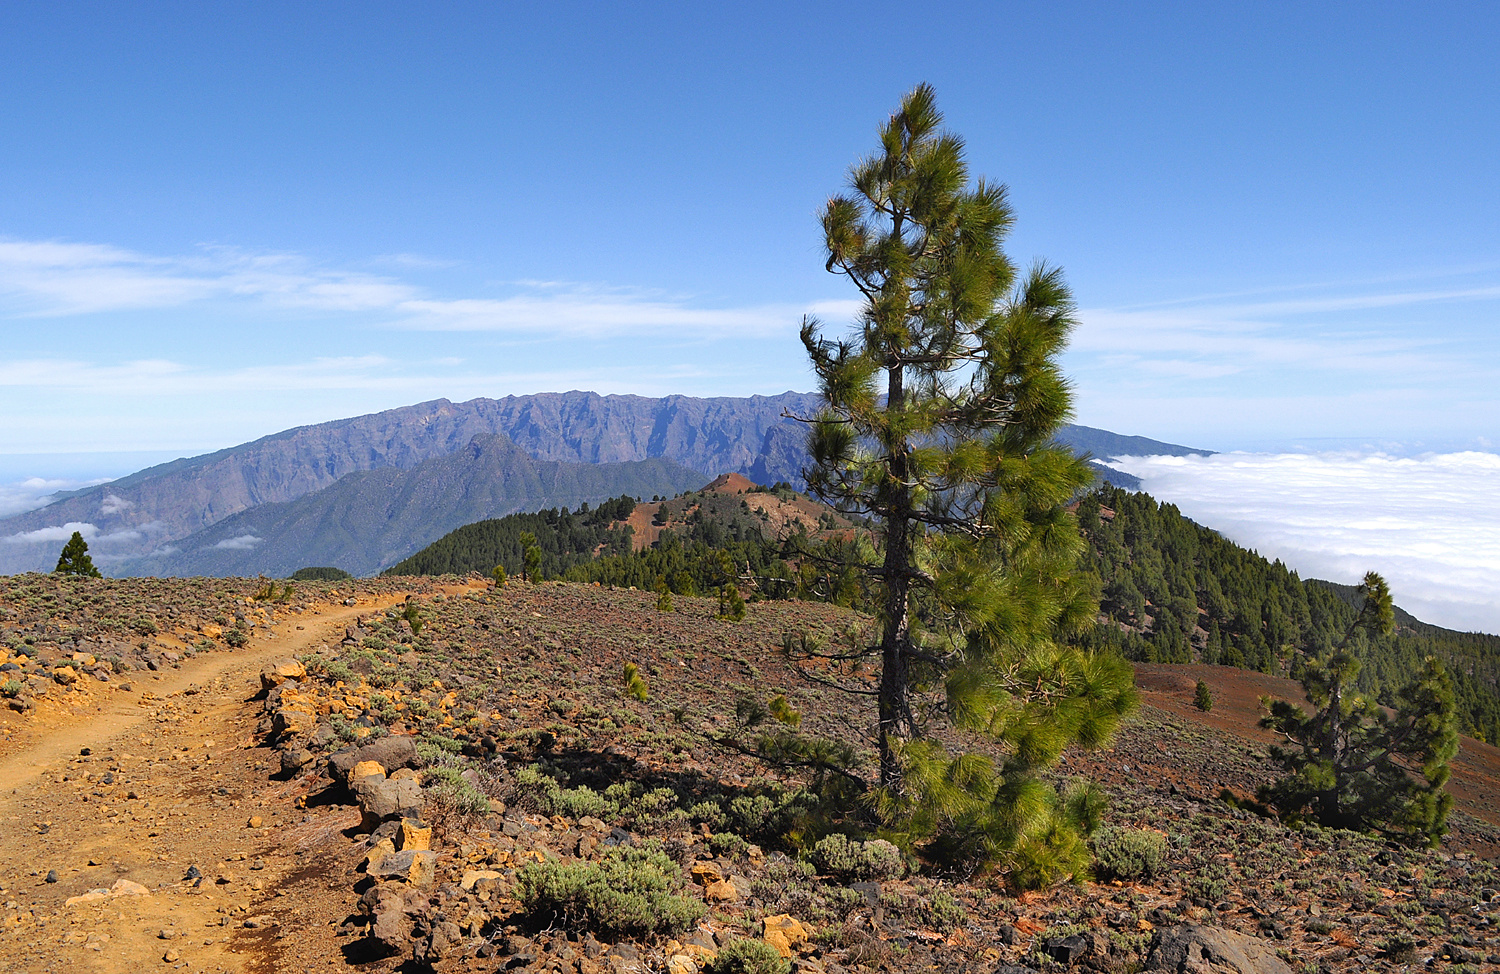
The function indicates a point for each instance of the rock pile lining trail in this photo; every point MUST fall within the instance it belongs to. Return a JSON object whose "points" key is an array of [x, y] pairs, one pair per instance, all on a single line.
{"points": [[152, 812]]}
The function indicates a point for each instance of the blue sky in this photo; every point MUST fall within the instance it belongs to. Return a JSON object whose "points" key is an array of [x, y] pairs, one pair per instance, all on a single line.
{"points": [[223, 220]]}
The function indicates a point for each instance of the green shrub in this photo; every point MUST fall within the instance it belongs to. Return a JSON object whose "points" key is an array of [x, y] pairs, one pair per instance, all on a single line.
{"points": [[1129, 853], [768, 815], [549, 797], [943, 913], [236, 637], [1399, 948], [1203, 697], [629, 892], [727, 844], [449, 792], [748, 957], [709, 813], [11, 688], [837, 855]]}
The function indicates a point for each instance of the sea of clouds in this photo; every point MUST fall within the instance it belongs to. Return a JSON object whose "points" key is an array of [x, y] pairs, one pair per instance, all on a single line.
{"points": [[1430, 524]]}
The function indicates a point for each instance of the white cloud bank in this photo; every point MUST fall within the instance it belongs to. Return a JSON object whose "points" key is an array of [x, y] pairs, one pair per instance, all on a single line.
{"points": [[1430, 524], [89, 531]]}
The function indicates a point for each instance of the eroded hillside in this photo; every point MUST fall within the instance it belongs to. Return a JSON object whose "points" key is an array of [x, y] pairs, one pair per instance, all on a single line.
{"points": [[225, 828]]}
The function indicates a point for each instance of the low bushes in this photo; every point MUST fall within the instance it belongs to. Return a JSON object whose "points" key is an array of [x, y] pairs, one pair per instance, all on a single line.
{"points": [[747, 957], [837, 855], [1128, 853], [629, 892]]}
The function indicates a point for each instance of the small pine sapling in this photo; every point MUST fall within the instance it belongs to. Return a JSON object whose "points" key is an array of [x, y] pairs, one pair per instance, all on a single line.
{"points": [[635, 686], [663, 596], [413, 617], [1203, 697], [783, 712], [1352, 764]]}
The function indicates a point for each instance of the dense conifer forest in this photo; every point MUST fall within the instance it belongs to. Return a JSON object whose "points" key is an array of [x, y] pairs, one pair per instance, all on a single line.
{"points": [[1175, 592], [566, 538]]}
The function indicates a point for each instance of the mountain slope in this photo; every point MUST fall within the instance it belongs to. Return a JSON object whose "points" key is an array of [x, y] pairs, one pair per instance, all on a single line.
{"points": [[628, 543], [371, 519], [156, 508]]}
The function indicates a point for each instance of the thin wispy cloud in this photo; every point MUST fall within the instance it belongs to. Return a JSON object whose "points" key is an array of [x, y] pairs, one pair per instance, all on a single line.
{"points": [[1430, 524], [240, 542], [57, 279], [1208, 346], [446, 375], [1349, 335]]}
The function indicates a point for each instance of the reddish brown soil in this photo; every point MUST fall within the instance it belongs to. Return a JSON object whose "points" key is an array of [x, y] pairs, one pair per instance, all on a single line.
{"points": [[173, 776]]}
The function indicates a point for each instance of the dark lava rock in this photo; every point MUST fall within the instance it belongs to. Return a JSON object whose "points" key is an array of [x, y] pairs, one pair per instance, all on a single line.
{"points": [[1194, 949]]}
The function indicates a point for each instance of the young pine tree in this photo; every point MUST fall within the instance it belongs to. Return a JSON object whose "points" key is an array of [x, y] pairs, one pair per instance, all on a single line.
{"points": [[1203, 697], [938, 424], [731, 602], [1351, 764], [75, 559], [531, 555]]}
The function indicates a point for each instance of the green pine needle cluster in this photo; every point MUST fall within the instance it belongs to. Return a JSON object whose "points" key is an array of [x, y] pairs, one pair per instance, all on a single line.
{"points": [[635, 685]]}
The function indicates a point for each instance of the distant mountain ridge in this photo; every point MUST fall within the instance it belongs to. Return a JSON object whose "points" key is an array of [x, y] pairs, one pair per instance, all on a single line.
{"points": [[161, 507], [371, 519]]}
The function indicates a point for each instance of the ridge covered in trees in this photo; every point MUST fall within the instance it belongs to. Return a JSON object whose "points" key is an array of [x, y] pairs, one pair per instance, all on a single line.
{"points": [[566, 538], [1174, 591]]}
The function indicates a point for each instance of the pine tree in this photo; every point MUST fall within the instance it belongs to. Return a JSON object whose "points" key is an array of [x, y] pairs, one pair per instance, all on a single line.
{"points": [[1354, 766], [731, 603], [938, 424], [531, 555], [1203, 697], [75, 559]]}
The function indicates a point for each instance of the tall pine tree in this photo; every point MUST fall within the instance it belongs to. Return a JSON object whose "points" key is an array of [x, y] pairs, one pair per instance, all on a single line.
{"points": [[938, 424], [1351, 764]]}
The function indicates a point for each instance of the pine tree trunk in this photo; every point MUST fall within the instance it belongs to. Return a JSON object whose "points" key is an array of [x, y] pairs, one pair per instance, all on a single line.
{"points": [[1334, 748], [896, 723]]}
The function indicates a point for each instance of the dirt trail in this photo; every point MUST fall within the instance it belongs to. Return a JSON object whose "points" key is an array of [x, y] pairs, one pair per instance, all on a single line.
{"points": [[172, 781]]}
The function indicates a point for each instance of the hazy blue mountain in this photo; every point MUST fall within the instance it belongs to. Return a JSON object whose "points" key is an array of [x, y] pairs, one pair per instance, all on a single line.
{"points": [[161, 505], [1106, 445], [158, 508], [373, 518]]}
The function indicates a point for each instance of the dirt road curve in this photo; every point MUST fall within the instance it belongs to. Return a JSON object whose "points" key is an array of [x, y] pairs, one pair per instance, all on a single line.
{"points": [[171, 783]]}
